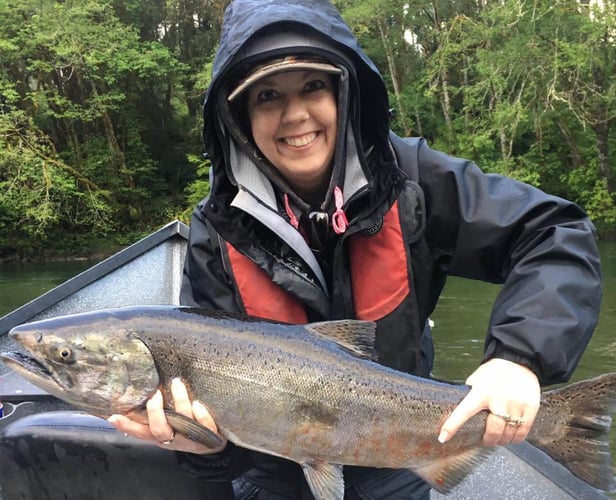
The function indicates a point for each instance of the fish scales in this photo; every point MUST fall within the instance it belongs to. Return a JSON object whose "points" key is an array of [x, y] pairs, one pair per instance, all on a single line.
{"points": [[275, 376], [304, 392]]}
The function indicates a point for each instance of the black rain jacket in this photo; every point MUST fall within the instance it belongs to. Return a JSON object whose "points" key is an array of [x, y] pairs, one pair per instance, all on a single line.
{"points": [[541, 248]]}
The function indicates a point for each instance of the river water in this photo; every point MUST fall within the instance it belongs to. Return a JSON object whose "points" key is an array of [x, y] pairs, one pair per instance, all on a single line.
{"points": [[463, 313], [460, 319]]}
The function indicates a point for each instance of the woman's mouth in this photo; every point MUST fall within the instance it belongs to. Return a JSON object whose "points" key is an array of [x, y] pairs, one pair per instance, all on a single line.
{"points": [[301, 140]]}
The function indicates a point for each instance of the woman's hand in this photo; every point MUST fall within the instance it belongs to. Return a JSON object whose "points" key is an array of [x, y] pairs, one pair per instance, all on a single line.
{"points": [[511, 393], [158, 430]]}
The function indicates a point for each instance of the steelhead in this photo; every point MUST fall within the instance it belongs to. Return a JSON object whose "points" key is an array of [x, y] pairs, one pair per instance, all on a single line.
{"points": [[308, 393]]}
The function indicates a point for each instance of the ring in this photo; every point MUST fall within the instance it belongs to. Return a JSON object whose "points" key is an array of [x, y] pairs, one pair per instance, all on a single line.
{"points": [[170, 440], [509, 420], [515, 422]]}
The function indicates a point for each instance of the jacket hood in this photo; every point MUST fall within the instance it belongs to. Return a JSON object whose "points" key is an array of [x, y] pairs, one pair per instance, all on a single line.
{"points": [[246, 18]]}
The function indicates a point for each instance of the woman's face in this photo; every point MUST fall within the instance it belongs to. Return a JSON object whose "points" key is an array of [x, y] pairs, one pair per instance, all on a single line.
{"points": [[293, 118]]}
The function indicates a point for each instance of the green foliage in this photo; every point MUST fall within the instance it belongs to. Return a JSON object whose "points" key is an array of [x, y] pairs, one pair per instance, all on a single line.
{"points": [[94, 121], [40, 194], [100, 103], [198, 189]]}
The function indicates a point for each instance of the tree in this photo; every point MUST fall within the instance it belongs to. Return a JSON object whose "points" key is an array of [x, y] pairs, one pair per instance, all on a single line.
{"points": [[82, 83]]}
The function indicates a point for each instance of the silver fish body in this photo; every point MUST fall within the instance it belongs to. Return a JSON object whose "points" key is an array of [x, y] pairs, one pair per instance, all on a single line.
{"points": [[308, 393]]}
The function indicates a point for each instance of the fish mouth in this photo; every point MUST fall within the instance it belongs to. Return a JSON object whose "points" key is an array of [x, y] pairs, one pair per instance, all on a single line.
{"points": [[29, 368]]}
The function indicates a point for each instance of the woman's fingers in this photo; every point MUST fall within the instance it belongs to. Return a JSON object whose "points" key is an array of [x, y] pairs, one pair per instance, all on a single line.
{"points": [[158, 430], [469, 406], [159, 427], [181, 400], [510, 392], [203, 416], [130, 427]]}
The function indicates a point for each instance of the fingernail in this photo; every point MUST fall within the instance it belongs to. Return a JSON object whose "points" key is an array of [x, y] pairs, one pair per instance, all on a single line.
{"points": [[113, 419], [199, 410], [443, 436], [155, 399], [176, 381]]}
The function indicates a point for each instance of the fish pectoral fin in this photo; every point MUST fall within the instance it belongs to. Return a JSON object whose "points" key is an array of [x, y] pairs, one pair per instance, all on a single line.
{"points": [[195, 431], [354, 336], [446, 473], [325, 480]]}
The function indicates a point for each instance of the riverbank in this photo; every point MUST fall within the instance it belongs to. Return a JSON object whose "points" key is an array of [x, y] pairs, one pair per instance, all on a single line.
{"points": [[84, 247], [70, 248]]}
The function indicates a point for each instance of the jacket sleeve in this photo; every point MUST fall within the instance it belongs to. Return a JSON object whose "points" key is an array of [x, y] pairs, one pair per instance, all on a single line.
{"points": [[205, 282], [540, 247]]}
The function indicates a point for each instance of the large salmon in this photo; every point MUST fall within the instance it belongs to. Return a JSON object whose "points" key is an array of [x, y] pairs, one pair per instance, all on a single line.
{"points": [[308, 393]]}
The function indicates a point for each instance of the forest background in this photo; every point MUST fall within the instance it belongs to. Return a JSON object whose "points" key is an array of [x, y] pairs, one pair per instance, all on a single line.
{"points": [[100, 105]]}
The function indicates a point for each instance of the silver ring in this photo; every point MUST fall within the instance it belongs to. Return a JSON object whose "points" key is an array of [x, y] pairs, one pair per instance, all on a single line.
{"points": [[509, 420], [170, 440], [515, 422]]}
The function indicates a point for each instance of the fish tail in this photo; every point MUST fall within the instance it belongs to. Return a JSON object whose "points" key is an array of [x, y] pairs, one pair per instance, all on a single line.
{"points": [[573, 424]]}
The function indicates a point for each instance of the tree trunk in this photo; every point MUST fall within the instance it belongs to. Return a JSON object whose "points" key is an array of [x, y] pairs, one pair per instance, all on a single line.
{"points": [[394, 79]]}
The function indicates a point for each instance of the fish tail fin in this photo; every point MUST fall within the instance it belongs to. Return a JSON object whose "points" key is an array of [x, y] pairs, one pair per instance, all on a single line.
{"points": [[573, 426]]}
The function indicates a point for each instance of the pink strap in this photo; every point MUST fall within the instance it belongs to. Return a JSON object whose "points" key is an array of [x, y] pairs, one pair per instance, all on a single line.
{"points": [[292, 217], [339, 219]]}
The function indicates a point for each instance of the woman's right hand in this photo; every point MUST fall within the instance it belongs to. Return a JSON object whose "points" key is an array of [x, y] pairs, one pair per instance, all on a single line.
{"points": [[158, 430]]}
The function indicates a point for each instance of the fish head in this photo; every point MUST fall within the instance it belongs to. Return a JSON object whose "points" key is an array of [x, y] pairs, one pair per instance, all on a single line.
{"points": [[102, 369]]}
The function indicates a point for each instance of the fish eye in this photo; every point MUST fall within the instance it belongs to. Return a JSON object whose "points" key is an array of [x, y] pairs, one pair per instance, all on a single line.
{"points": [[64, 354]]}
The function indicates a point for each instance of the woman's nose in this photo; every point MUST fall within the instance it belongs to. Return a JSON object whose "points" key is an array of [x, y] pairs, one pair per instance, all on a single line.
{"points": [[295, 109]]}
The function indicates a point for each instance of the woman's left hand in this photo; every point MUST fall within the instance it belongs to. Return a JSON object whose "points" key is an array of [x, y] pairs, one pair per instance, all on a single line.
{"points": [[509, 391]]}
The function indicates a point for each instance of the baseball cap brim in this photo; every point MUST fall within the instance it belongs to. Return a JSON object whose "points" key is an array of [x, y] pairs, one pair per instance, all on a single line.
{"points": [[288, 63]]}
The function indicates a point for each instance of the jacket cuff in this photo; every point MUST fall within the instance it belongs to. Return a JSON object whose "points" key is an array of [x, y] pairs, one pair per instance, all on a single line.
{"points": [[232, 462], [497, 350]]}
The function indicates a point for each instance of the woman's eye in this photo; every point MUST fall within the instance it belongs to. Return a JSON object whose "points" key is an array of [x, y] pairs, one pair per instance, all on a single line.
{"points": [[267, 95], [314, 85]]}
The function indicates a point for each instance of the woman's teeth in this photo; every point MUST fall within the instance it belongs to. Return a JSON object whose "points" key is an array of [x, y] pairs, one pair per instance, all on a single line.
{"points": [[300, 141]]}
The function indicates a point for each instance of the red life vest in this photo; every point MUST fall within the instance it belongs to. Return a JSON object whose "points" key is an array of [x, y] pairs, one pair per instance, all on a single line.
{"points": [[379, 277]]}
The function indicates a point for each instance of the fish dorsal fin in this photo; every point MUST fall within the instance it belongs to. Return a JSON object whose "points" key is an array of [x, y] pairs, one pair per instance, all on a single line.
{"points": [[446, 473], [325, 480], [195, 431], [355, 336]]}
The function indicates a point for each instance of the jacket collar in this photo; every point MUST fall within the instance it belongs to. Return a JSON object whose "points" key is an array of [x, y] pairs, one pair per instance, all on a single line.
{"points": [[256, 197]]}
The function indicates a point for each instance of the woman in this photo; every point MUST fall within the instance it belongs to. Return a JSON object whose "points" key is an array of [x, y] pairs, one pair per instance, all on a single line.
{"points": [[317, 211]]}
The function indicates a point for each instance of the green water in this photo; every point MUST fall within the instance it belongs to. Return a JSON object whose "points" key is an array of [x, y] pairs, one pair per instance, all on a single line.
{"points": [[460, 319], [463, 312], [20, 282]]}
